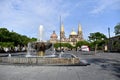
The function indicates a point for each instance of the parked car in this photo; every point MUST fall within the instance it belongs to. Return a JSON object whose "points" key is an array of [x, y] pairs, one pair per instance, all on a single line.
{"points": [[85, 48]]}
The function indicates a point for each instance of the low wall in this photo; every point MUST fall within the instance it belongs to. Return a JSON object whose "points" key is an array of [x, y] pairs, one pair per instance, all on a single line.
{"points": [[39, 60]]}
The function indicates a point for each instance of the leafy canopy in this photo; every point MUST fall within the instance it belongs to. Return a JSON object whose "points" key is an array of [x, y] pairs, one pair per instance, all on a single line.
{"points": [[13, 38], [117, 29]]}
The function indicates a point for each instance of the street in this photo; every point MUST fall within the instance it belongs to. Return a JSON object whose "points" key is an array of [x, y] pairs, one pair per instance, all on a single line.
{"points": [[103, 66]]}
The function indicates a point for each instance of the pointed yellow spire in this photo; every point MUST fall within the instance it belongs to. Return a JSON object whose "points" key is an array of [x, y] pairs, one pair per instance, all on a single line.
{"points": [[62, 27], [79, 28]]}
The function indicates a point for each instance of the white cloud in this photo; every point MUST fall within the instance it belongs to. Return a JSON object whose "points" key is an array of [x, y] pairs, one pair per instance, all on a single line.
{"points": [[25, 16], [103, 5]]}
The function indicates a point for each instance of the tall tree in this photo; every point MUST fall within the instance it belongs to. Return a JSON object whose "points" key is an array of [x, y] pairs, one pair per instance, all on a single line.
{"points": [[80, 43], [117, 29], [13, 38], [4, 35], [97, 38]]}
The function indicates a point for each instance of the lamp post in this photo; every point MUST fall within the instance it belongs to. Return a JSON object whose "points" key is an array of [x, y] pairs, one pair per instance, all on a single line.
{"points": [[109, 32], [109, 40]]}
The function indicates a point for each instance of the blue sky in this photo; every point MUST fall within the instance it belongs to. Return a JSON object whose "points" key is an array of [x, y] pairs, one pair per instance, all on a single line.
{"points": [[25, 16]]}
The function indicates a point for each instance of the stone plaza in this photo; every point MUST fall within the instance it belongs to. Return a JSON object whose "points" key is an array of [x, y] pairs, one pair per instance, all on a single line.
{"points": [[103, 66]]}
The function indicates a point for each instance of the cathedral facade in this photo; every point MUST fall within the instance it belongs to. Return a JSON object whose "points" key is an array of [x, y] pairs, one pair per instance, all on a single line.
{"points": [[73, 38]]}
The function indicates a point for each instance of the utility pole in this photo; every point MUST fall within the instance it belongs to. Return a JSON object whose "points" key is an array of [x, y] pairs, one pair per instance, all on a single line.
{"points": [[60, 33]]}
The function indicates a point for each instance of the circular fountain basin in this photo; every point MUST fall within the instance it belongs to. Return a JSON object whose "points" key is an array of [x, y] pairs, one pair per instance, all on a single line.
{"points": [[54, 59]]}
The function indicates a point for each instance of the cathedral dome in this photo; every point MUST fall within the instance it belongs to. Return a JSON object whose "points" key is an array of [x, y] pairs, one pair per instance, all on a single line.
{"points": [[73, 33], [54, 35]]}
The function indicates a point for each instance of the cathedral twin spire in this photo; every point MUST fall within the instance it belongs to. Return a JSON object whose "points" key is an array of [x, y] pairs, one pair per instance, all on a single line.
{"points": [[72, 39], [80, 35], [62, 27], [79, 28], [62, 32]]}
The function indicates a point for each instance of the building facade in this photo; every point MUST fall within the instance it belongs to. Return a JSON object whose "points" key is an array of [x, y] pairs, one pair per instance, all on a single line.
{"points": [[53, 37], [73, 38], [114, 44]]}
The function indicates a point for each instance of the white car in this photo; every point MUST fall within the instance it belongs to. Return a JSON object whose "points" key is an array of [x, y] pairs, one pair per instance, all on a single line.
{"points": [[85, 48]]}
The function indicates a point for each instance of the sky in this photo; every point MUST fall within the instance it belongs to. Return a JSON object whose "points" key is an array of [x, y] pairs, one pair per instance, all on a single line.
{"points": [[25, 16]]}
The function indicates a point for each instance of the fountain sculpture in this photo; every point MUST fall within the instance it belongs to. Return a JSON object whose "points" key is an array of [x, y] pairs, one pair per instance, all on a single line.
{"points": [[40, 46]]}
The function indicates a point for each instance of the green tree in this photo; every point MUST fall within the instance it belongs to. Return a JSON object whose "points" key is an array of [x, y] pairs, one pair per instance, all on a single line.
{"points": [[56, 45], [12, 38], [97, 38], [4, 35], [80, 43], [117, 29], [7, 44]]}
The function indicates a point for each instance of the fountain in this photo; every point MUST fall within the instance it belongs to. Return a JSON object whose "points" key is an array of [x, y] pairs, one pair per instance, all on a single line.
{"points": [[40, 46], [29, 50], [40, 33]]}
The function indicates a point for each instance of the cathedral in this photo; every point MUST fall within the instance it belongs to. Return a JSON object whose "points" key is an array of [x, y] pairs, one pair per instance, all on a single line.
{"points": [[73, 38]]}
